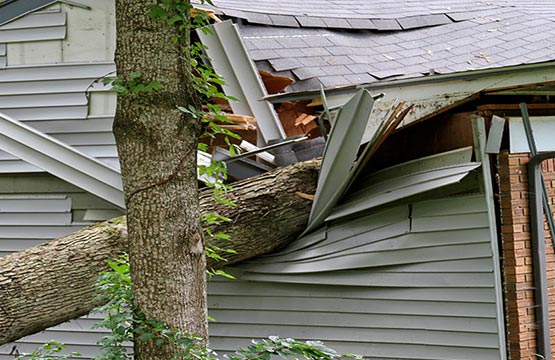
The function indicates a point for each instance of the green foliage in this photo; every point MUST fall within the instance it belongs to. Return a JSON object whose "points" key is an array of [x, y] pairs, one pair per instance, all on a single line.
{"points": [[287, 348], [114, 288], [51, 350], [126, 325], [131, 85]]}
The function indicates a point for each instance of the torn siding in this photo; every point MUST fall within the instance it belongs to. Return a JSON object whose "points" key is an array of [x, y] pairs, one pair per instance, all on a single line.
{"points": [[386, 250], [339, 156], [414, 281]]}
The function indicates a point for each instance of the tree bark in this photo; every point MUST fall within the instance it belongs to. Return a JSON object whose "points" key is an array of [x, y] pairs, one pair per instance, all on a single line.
{"points": [[52, 283], [157, 146]]}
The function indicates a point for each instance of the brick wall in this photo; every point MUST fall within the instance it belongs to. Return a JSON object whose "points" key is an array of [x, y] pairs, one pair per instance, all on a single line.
{"points": [[517, 254]]}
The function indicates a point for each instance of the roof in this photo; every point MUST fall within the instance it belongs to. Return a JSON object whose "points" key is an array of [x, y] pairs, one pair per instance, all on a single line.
{"points": [[345, 42], [14, 9]]}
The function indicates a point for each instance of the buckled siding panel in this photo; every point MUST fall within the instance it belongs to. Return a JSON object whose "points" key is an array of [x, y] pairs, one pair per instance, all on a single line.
{"points": [[396, 284], [433, 306], [339, 156]]}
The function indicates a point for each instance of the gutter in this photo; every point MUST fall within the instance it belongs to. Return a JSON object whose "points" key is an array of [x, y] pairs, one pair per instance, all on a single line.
{"points": [[541, 297], [430, 79]]}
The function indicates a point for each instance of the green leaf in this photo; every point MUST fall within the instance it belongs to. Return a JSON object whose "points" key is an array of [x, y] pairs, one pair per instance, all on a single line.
{"points": [[155, 12], [146, 336], [175, 19]]}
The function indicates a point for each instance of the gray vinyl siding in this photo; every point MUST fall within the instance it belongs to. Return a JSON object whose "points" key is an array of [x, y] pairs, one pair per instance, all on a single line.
{"points": [[38, 207], [46, 25], [3, 60], [409, 282], [35, 208], [54, 97], [53, 100]]}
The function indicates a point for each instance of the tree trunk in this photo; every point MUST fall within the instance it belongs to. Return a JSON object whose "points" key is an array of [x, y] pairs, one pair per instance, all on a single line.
{"points": [[157, 147], [52, 283]]}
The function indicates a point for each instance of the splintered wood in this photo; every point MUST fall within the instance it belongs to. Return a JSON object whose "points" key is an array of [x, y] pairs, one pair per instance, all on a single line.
{"points": [[297, 118], [233, 122], [275, 84]]}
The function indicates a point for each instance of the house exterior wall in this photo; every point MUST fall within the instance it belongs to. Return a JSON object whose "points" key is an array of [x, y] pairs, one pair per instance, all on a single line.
{"points": [[517, 253], [405, 282], [51, 65]]}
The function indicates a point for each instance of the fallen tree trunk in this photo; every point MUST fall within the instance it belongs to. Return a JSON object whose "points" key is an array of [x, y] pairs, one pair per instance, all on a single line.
{"points": [[52, 283]]}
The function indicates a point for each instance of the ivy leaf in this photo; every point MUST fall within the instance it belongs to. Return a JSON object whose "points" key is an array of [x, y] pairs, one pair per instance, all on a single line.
{"points": [[156, 11], [146, 336]]}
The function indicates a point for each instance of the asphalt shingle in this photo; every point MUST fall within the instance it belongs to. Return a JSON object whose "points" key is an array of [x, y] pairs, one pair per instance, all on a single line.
{"points": [[420, 21], [308, 72], [284, 20], [337, 23], [285, 64], [307, 21], [388, 39], [258, 18]]}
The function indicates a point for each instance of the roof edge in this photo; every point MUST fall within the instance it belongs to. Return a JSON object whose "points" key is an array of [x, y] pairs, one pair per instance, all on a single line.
{"points": [[439, 78]]}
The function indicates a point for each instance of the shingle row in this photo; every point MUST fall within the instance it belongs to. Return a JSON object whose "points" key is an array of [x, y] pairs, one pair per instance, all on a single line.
{"points": [[336, 58], [382, 15]]}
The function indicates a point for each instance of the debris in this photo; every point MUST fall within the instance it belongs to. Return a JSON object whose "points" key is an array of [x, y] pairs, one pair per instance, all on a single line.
{"points": [[239, 127], [266, 156], [304, 196], [210, 13], [297, 118], [275, 84], [483, 56]]}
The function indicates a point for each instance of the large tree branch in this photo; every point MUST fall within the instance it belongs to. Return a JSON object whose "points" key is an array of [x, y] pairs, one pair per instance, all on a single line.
{"points": [[52, 283]]}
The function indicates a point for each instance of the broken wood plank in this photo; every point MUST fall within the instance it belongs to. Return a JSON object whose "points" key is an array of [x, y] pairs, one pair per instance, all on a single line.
{"points": [[275, 84], [232, 118], [236, 127], [266, 156], [289, 114], [304, 196], [304, 119]]}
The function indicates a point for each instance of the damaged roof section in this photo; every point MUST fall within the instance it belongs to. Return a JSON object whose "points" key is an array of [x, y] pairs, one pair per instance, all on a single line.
{"points": [[384, 15], [332, 44], [230, 60]]}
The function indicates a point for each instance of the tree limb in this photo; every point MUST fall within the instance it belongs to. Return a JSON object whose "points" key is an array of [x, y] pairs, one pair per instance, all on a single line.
{"points": [[52, 283]]}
